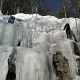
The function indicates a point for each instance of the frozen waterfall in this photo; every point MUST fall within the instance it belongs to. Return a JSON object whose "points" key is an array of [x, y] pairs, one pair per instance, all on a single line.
{"points": [[31, 44]]}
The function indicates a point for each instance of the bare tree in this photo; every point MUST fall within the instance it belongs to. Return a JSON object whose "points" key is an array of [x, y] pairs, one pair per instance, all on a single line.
{"points": [[1, 3], [64, 9]]}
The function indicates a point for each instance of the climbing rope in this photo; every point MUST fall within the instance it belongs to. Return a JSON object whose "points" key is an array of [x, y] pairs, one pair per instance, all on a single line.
{"points": [[37, 41]]}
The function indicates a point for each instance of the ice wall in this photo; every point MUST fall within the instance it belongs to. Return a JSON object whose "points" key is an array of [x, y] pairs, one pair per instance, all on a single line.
{"points": [[31, 65], [4, 55], [26, 40], [9, 33], [56, 36]]}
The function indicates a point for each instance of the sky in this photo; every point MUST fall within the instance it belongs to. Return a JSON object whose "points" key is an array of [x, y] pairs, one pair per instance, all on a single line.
{"points": [[54, 4], [57, 5]]}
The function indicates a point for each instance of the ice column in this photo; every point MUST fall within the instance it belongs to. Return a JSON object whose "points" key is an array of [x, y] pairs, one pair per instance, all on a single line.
{"points": [[31, 65], [4, 55]]}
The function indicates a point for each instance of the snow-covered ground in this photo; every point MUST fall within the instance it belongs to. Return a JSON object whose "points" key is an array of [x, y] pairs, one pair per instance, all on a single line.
{"points": [[39, 36]]}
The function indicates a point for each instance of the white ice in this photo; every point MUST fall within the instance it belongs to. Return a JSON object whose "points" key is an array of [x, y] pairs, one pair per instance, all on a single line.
{"points": [[43, 35], [31, 65]]}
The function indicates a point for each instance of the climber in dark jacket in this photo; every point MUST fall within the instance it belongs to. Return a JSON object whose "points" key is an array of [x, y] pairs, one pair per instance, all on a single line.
{"points": [[69, 32], [11, 19]]}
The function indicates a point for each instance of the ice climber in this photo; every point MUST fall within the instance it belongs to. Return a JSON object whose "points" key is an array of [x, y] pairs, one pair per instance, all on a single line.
{"points": [[69, 32], [11, 19]]}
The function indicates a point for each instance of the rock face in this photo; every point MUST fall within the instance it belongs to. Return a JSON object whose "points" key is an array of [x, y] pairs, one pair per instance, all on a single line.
{"points": [[77, 52], [62, 67], [11, 71], [76, 49]]}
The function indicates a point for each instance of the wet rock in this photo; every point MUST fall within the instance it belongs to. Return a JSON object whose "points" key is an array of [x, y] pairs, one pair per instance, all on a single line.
{"points": [[76, 49], [62, 66], [11, 71]]}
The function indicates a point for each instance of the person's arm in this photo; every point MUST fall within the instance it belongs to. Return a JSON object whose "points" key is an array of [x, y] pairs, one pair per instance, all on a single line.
{"points": [[64, 27]]}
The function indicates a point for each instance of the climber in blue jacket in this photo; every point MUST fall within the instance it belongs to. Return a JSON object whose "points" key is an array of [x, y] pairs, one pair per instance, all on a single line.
{"points": [[11, 19]]}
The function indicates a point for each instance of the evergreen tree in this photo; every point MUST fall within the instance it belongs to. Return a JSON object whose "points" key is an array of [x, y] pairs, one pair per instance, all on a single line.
{"points": [[25, 6]]}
